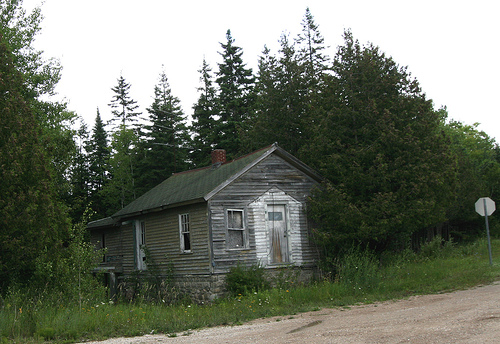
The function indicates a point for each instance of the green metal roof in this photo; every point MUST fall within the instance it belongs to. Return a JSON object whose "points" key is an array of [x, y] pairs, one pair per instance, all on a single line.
{"points": [[190, 186]]}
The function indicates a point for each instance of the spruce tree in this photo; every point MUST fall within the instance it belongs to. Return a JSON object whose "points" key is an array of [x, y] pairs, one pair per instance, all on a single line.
{"points": [[123, 107], [121, 188], [204, 117], [281, 104], [311, 51], [80, 176], [164, 149], [235, 97], [98, 155]]}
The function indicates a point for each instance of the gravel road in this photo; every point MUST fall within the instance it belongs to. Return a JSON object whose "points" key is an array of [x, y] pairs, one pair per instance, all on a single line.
{"points": [[466, 316]]}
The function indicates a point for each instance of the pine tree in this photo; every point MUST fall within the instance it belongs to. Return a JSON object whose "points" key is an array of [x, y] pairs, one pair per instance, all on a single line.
{"points": [[204, 115], [235, 98], [165, 148]]}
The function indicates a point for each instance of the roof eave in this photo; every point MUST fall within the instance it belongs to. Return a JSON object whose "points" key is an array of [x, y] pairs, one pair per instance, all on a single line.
{"points": [[157, 209]]}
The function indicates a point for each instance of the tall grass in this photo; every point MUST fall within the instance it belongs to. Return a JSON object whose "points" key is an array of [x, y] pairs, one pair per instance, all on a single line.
{"points": [[361, 278]]}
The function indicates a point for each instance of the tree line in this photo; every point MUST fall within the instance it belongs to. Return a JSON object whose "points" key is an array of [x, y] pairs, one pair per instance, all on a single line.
{"points": [[394, 167]]}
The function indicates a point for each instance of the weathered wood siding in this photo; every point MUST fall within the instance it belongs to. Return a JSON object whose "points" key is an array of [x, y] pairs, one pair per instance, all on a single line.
{"points": [[272, 177], [111, 240], [163, 240]]}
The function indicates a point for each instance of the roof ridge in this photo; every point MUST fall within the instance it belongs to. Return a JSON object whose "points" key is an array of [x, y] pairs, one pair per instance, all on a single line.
{"points": [[226, 163]]}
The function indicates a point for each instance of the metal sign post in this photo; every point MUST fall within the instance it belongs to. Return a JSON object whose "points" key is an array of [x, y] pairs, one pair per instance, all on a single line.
{"points": [[485, 207]]}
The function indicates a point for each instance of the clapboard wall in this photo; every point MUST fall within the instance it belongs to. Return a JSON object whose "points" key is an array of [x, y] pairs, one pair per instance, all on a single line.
{"points": [[252, 191]]}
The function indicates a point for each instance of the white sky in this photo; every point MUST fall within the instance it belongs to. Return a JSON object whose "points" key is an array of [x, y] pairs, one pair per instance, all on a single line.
{"points": [[450, 46]]}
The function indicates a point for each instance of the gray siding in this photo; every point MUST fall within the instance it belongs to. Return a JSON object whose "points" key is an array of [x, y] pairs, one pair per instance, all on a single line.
{"points": [[272, 177]]}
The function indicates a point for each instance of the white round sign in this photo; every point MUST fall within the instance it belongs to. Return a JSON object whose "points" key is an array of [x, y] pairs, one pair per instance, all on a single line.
{"points": [[485, 206]]}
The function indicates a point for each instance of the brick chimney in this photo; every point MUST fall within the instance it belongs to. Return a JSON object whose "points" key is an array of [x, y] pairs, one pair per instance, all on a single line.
{"points": [[218, 157]]}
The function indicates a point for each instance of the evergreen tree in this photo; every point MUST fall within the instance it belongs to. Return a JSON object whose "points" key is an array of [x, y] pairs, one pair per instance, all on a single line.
{"points": [[121, 188], [123, 107], [204, 117], [281, 104], [311, 51], [40, 77], [165, 148], [98, 156], [235, 98], [389, 168], [32, 221], [79, 177]]}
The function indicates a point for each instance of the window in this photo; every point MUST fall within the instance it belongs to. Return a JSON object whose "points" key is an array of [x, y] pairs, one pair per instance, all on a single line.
{"points": [[235, 229], [184, 230]]}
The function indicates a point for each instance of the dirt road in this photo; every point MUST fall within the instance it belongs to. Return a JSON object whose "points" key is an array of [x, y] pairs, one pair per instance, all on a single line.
{"points": [[467, 316]]}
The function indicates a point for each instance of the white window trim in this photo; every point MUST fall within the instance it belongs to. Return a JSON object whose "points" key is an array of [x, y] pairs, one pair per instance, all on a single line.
{"points": [[244, 229], [181, 233]]}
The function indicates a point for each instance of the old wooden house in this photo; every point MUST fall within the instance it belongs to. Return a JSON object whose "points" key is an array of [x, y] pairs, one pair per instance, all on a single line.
{"points": [[202, 222]]}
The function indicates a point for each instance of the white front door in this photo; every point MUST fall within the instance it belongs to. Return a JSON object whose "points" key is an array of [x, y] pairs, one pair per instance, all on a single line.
{"points": [[278, 234]]}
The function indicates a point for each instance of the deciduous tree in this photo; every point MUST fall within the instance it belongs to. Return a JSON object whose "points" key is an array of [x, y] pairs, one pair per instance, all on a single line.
{"points": [[33, 223]]}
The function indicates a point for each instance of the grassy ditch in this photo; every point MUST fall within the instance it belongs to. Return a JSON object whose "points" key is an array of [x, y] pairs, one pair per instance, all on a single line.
{"points": [[360, 279]]}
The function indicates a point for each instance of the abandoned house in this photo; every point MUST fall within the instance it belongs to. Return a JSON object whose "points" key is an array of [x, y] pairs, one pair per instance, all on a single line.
{"points": [[203, 222]]}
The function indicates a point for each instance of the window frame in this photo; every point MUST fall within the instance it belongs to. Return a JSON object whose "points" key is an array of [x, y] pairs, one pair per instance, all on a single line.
{"points": [[243, 229], [185, 228]]}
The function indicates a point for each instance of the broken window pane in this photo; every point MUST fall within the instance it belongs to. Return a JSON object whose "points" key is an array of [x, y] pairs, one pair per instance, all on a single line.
{"points": [[235, 239], [235, 219]]}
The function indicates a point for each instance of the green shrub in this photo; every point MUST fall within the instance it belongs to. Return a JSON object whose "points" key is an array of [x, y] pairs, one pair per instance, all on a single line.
{"points": [[245, 279], [436, 248]]}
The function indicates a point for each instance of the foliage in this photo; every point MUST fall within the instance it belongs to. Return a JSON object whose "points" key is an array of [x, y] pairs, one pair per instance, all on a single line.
{"points": [[478, 172], [123, 107], [120, 189], [24, 320], [358, 269], [204, 119], [235, 97], [281, 104], [33, 223], [152, 285], [164, 146], [243, 279], [98, 153], [40, 76], [388, 167]]}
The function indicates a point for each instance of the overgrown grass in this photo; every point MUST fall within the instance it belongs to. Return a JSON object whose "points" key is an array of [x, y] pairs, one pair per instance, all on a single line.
{"points": [[361, 279]]}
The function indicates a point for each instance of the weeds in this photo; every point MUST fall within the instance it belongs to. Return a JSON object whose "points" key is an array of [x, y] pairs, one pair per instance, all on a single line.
{"points": [[50, 317]]}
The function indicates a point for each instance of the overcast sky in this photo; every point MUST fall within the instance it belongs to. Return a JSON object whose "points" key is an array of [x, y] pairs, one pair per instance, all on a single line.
{"points": [[451, 47]]}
